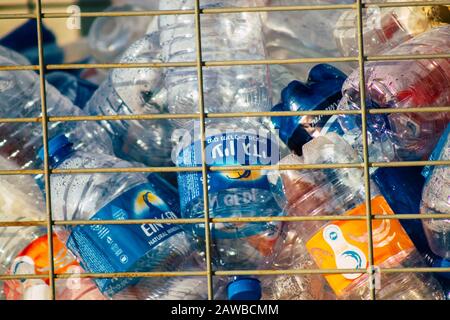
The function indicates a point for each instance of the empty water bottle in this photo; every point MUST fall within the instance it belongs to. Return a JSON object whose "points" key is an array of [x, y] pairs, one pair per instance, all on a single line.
{"points": [[224, 37], [386, 28], [109, 37], [24, 250], [136, 91], [403, 84], [302, 34], [115, 248], [436, 199], [20, 98], [243, 193], [343, 244]]}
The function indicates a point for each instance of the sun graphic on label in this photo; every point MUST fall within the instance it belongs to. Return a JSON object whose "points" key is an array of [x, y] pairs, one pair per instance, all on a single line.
{"points": [[146, 199], [246, 175]]}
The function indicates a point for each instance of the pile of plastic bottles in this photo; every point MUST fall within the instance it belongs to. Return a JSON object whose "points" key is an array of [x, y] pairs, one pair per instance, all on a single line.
{"points": [[128, 147]]}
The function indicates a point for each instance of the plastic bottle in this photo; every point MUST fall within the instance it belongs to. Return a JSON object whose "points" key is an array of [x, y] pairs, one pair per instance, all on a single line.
{"points": [[178, 288], [115, 248], [136, 91], [244, 193], [343, 244], [24, 250], [20, 97], [386, 28], [224, 37], [322, 91], [302, 34], [109, 37], [435, 199], [403, 84]]}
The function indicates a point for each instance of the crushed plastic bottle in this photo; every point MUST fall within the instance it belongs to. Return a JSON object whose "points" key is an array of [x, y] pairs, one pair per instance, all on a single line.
{"points": [[226, 37], [402, 84], [136, 91], [322, 91], [110, 37], [244, 193], [20, 98], [436, 199], [342, 244], [386, 28], [115, 248], [25, 251], [302, 34]]}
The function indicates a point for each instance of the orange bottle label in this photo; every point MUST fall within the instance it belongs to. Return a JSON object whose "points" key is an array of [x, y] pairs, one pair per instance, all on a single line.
{"points": [[34, 260], [37, 253], [344, 244]]}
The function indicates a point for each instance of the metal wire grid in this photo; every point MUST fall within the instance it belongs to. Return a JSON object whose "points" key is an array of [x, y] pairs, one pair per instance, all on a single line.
{"points": [[39, 15]]}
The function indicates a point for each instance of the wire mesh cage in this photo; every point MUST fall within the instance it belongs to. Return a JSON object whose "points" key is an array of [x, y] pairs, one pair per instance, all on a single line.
{"points": [[40, 11]]}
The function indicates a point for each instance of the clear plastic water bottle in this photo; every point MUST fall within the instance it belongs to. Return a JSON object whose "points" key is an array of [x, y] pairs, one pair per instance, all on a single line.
{"points": [[176, 288], [224, 37], [302, 34], [402, 84], [19, 98], [136, 91], [343, 244], [386, 28], [436, 199], [24, 250], [244, 193], [109, 37], [115, 248]]}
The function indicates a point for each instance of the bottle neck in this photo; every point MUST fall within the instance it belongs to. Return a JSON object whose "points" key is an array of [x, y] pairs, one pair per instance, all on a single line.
{"points": [[61, 155]]}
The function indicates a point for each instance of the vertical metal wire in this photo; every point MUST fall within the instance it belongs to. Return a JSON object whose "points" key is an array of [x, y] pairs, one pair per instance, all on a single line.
{"points": [[44, 122], [362, 91], [201, 106]]}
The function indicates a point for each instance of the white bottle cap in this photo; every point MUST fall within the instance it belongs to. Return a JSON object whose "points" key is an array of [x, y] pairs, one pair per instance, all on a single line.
{"points": [[37, 292]]}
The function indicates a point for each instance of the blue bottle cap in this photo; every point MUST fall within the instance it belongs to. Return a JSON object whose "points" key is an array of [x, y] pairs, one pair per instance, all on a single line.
{"points": [[244, 289], [55, 146]]}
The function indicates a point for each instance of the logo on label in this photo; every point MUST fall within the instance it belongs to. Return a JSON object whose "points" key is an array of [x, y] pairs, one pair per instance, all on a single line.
{"points": [[347, 256], [146, 199]]}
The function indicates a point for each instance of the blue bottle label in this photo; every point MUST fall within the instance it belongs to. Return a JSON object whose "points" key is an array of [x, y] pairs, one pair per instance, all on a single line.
{"points": [[121, 248], [235, 148]]}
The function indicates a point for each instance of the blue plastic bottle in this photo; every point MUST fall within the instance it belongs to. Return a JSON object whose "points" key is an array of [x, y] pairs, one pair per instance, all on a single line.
{"points": [[322, 91]]}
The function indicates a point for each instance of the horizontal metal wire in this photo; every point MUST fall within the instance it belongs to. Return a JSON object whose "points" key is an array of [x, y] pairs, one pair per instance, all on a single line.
{"points": [[227, 115], [224, 63], [230, 168], [224, 115], [304, 218], [219, 273], [54, 15]]}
